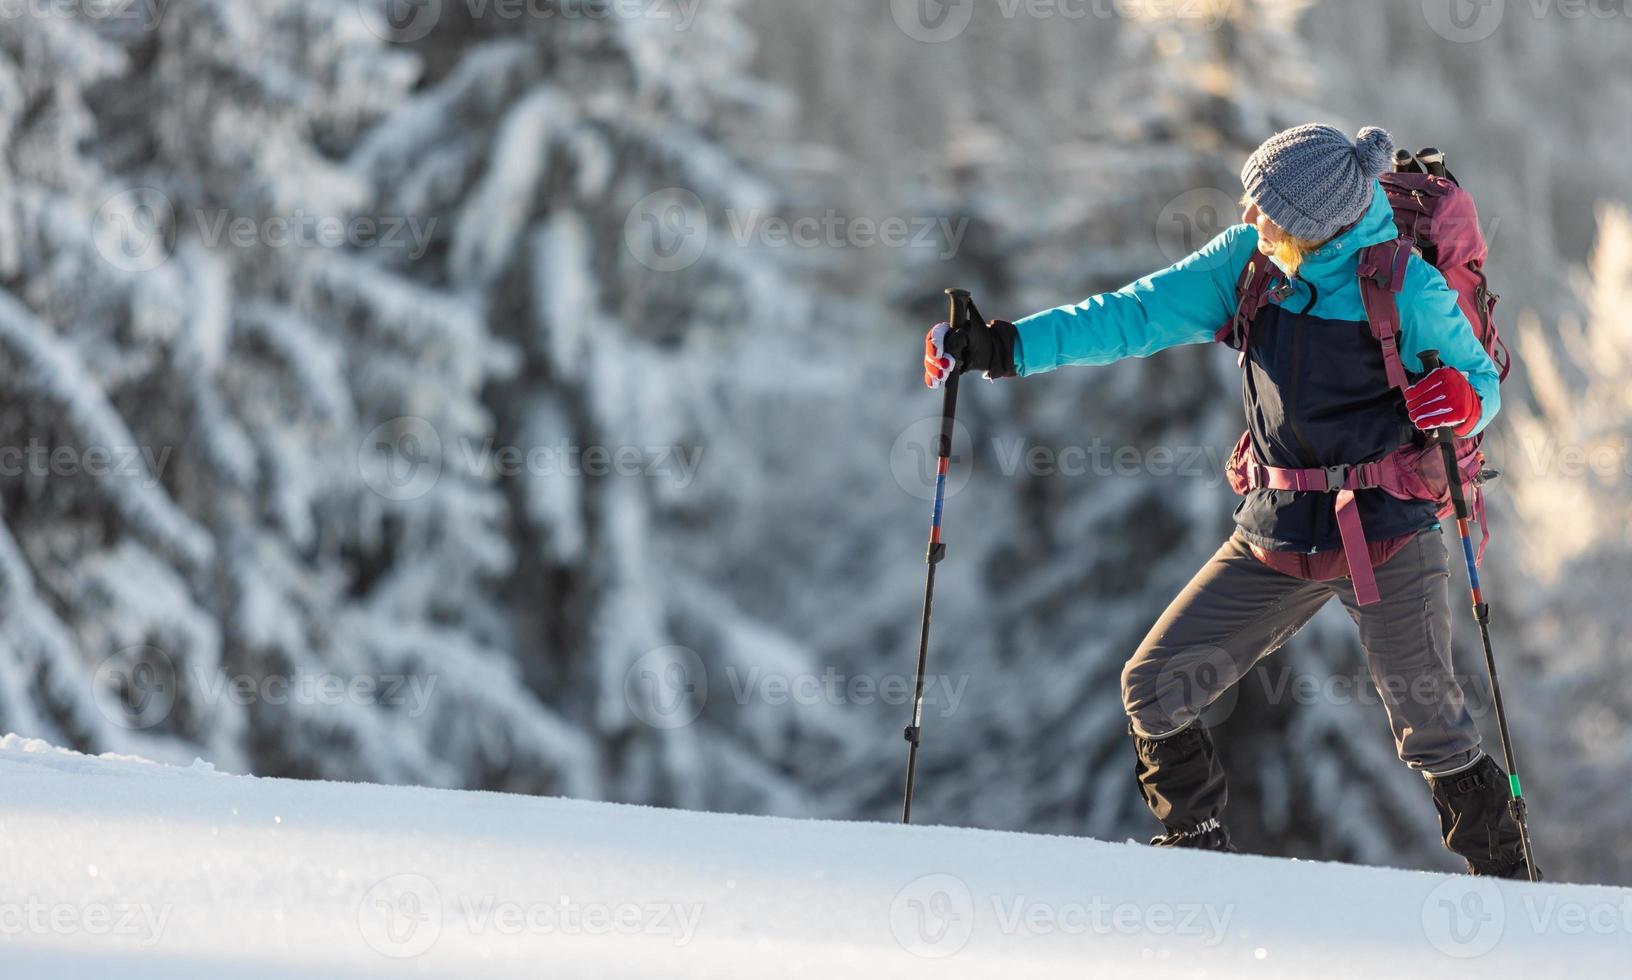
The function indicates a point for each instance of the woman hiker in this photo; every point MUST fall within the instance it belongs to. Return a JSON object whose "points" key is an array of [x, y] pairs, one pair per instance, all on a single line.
{"points": [[1317, 397]]}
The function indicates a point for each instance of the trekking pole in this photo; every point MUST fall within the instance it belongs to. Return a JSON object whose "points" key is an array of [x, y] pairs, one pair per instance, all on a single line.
{"points": [[963, 312], [1481, 613]]}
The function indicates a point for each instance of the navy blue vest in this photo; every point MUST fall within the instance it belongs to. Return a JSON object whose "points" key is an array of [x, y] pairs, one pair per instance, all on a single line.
{"points": [[1316, 395]]}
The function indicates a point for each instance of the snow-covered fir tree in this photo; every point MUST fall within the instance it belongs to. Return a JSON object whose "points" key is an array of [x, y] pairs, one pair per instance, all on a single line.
{"points": [[593, 187], [1565, 481], [214, 288]]}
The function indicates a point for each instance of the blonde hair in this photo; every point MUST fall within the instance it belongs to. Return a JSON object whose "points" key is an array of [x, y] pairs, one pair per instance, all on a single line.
{"points": [[1290, 251]]}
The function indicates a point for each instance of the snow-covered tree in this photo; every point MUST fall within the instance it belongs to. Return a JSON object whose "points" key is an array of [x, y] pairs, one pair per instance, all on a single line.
{"points": [[591, 176], [1567, 461], [212, 285]]}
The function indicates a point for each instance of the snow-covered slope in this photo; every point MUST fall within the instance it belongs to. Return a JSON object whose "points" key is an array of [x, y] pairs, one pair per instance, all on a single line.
{"points": [[120, 867]]}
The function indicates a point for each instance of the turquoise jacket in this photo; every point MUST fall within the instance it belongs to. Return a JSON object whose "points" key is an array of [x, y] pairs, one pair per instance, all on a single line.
{"points": [[1188, 301]]}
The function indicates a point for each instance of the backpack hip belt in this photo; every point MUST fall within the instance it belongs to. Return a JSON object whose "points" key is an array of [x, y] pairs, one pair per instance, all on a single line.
{"points": [[1399, 474]]}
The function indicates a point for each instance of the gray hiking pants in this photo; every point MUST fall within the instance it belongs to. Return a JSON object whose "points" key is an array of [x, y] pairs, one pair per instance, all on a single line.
{"points": [[1237, 610]]}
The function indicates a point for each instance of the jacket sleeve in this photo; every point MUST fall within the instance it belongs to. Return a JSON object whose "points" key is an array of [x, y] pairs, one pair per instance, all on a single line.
{"points": [[1185, 303], [1430, 319]]}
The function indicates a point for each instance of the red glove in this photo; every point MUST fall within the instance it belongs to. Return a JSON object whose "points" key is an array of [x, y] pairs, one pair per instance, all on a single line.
{"points": [[1443, 398], [938, 364]]}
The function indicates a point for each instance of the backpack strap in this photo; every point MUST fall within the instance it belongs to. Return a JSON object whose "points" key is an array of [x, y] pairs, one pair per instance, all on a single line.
{"points": [[1252, 294], [1342, 481], [1382, 276]]}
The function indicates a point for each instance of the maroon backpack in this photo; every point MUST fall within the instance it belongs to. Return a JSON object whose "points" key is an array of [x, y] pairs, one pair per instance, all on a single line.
{"points": [[1437, 219]]}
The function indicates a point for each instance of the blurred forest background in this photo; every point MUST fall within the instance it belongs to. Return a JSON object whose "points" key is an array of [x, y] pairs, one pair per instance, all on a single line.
{"points": [[525, 396]]}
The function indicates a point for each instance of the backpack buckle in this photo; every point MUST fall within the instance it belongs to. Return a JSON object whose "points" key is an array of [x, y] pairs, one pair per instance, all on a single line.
{"points": [[1336, 476]]}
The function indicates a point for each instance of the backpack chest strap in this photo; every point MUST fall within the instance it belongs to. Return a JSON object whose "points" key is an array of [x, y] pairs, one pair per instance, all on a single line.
{"points": [[1382, 270]]}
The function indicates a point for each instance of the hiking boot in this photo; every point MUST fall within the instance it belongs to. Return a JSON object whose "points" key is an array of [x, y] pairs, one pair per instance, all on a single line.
{"points": [[1476, 819], [1210, 836], [1183, 784]]}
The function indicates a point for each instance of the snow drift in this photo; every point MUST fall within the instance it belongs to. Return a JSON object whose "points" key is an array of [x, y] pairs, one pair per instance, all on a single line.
{"points": [[118, 866]]}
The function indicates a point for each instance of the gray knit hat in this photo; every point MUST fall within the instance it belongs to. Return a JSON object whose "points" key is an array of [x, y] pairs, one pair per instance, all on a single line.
{"points": [[1312, 181]]}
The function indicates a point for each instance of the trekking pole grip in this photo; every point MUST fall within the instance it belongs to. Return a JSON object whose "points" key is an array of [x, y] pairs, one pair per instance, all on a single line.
{"points": [[1447, 448], [957, 340]]}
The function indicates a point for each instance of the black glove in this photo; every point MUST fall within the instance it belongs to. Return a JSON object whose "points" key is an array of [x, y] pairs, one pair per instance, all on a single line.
{"points": [[988, 348]]}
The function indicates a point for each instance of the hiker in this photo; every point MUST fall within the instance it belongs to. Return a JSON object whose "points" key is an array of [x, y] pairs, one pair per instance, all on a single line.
{"points": [[1323, 396]]}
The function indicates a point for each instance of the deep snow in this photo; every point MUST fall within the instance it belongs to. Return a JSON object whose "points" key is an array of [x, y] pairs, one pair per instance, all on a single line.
{"points": [[121, 867]]}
